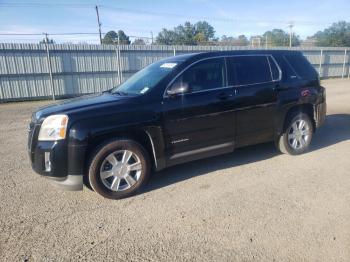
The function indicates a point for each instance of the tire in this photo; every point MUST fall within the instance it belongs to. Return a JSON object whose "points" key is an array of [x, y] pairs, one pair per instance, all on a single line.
{"points": [[118, 169], [297, 135]]}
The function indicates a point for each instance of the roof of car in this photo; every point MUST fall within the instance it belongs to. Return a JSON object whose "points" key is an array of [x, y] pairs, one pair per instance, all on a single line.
{"points": [[201, 55], [184, 57], [245, 52]]}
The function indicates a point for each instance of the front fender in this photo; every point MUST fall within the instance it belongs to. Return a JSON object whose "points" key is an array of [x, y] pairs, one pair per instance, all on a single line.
{"points": [[85, 135]]}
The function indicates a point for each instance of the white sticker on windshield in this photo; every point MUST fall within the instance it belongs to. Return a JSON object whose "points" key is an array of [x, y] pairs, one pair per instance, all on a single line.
{"points": [[168, 65], [144, 90]]}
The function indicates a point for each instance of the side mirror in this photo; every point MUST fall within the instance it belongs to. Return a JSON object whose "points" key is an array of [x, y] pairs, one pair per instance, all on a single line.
{"points": [[178, 90]]}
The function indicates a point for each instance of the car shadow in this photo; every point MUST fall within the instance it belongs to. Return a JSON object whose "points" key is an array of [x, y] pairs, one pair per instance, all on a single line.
{"points": [[336, 129]]}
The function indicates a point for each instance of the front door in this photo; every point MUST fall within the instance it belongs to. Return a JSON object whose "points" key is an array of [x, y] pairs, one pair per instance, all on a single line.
{"points": [[199, 122]]}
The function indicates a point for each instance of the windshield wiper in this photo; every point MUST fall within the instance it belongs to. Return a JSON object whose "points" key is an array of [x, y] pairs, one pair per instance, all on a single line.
{"points": [[121, 93], [106, 91]]}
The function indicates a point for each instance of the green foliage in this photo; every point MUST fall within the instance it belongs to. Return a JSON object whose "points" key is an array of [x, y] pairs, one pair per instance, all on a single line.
{"points": [[202, 33], [338, 34], [205, 29], [241, 40], [187, 34], [111, 38], [278, 37]]}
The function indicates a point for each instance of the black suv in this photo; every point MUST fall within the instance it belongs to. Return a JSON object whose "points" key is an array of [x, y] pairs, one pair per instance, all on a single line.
{"points": [[176, 110]]}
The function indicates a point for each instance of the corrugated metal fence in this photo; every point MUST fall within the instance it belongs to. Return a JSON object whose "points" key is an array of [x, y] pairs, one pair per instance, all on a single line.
{"points": [[35, 71]]}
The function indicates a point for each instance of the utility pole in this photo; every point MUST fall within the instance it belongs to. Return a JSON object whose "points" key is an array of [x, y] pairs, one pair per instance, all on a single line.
{"points": [[46, 38], [99, 24], [290, 33], [49, 66]]}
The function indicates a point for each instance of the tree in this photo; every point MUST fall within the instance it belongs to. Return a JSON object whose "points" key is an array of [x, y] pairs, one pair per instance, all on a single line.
{"points": [[338, 34], [278, 37], [139, 41], [187, 34], [205, 29], [123, 38], [166, 37], [200, 38], [111, 38], [241, 40]]}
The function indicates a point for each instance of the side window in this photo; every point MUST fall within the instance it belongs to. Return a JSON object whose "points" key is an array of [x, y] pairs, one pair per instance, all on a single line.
{"points": [[274, 69], [301, 66], [247, 70], [204, 75]]}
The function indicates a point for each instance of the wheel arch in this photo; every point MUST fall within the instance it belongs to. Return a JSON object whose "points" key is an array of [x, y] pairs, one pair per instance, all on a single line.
{"points": [[141, 136], [300, 108]]}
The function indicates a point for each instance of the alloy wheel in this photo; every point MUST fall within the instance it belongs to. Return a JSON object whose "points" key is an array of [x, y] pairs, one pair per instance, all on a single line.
{"points": [[299, 134], [120, 170]]}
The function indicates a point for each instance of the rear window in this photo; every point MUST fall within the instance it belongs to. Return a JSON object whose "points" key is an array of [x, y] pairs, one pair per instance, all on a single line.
{"points": [[248, 70], [301, 66]]}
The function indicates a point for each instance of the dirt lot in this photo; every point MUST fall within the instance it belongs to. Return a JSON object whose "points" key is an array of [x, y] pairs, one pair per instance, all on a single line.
{"points": [[252, 205]]}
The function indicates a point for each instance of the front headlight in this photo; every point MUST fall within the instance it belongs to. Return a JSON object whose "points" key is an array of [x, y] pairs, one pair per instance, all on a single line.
{"points": [[53, 128]]}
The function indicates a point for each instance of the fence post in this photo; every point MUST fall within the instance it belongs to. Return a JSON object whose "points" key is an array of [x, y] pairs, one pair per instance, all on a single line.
{"points": [[118, 64], [320, 66], [344, 62], [50, 70], [174, 52]]}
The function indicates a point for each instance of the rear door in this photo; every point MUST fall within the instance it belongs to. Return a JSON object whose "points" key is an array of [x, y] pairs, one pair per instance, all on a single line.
{"points": [[254, 78], [201, 122]]}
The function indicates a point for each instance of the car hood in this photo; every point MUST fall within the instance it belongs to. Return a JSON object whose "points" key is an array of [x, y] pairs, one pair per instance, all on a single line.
{"points": [[80, 103]]}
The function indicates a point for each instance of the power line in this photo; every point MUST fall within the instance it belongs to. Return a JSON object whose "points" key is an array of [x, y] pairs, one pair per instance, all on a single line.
{"points": [[19, 34], [36, 5], [162, 14], [74, 36]]}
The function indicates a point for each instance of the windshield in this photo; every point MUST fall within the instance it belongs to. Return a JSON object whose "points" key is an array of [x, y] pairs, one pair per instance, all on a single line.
{"points": [[145, 79]]}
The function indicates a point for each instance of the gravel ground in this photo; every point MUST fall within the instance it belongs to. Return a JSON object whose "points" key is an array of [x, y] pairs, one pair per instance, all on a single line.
{"points": [[252, 205]]}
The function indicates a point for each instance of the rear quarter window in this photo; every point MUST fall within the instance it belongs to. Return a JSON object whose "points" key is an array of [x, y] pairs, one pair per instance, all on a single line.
{"points": [[301, 66], [275, 72]]}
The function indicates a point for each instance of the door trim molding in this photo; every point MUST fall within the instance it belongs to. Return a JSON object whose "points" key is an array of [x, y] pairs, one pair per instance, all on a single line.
{"points": [[201, 150]]}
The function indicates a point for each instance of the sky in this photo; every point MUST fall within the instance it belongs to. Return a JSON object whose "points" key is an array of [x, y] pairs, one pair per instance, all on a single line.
{"points": [[140, 18]]}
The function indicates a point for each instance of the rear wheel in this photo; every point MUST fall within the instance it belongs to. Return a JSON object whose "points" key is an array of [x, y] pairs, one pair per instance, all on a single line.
{"points": [[297, 136], [119, 169]]}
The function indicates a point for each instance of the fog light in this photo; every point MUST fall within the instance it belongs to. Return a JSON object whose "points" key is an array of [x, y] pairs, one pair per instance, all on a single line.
{"points": [[47, 162]]}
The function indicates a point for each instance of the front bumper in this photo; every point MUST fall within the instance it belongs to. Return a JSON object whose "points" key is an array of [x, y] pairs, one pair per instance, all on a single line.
{"points": [[61, 163]]}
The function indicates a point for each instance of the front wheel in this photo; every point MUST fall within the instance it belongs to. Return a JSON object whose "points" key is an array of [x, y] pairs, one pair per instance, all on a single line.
{"points": [[297, 135], [119, 169]]}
